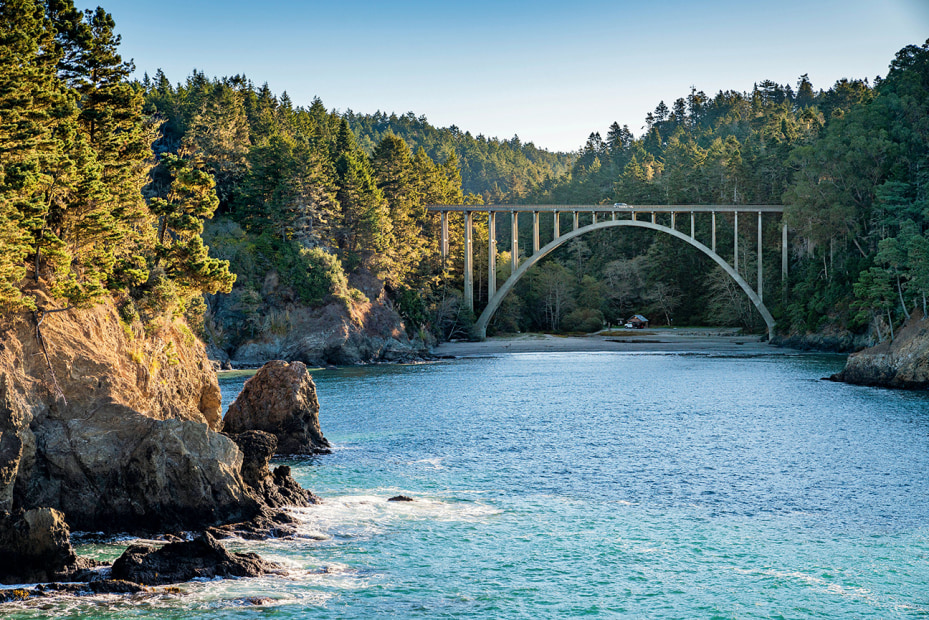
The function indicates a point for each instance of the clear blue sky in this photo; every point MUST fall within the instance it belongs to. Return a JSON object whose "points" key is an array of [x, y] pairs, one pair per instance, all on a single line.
{"points": [[550, 72]]}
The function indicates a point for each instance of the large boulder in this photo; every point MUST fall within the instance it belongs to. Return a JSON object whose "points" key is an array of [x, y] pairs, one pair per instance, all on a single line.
{"points": [[36, 546], [200, 558], [281, 400], [903, 363], [114, 424], [118, 470]]}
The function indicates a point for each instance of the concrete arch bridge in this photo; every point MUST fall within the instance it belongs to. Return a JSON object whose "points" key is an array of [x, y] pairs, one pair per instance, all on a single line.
{"points": [[598, 217]]}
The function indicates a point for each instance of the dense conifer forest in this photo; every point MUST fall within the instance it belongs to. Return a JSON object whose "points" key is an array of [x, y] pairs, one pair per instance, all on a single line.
{"points": [[169, 197]]}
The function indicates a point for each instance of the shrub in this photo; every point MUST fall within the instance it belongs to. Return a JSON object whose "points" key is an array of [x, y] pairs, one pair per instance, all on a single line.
{"points": [[583, 320]]}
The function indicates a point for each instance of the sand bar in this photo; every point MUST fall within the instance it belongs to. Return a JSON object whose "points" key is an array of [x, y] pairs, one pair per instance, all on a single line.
{"points": [[674, 340]]}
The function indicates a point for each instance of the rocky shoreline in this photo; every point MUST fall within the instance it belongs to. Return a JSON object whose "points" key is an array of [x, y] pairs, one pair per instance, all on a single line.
{"points": [[116, 428], [900, 364]]}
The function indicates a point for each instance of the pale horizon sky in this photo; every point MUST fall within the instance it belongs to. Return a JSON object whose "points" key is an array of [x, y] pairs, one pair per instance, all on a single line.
{"points": [[549, 72]]}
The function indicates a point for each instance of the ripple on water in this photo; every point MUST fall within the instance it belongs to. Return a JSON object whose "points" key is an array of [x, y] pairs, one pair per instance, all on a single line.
{"points": [[563, 485]]}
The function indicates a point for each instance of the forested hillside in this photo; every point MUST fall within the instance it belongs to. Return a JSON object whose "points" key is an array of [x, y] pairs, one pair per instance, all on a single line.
{"points": [[75, 155], [221, 201], [850, 162], [501, 171]]}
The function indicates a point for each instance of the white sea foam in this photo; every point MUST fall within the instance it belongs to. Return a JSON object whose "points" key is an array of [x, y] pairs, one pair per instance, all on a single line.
{"points": [[435, 462], [366, 515], [813, 581]]}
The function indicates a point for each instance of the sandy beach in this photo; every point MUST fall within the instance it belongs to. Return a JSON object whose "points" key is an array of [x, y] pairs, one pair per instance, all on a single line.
{"points": [[673, 340]]}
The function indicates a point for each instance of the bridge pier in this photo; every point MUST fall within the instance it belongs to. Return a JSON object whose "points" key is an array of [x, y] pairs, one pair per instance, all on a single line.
{"points": [[784, 256], [444, 242], [760, 288], [514, 244], [468, 263], [555, 223], [491, 254], [535, 232], [735, 241]]}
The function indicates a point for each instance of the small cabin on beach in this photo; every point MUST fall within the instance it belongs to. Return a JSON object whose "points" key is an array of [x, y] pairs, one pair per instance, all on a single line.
{"points": [[638, 322]]}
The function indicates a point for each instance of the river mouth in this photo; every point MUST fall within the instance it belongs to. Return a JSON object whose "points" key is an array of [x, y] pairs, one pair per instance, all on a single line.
{"points": [[563, 484]]}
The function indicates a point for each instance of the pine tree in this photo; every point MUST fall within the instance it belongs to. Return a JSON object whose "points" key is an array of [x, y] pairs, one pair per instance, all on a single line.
{"points": [[180, 254], [35, 106], [363, 227]]}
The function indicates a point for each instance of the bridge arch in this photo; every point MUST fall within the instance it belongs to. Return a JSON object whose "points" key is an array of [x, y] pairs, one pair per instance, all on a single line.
{"points": [[494, 303]]}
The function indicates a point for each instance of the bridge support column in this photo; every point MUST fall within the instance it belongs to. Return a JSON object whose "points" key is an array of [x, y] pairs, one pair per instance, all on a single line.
{"points": [[784, 255], [760, 262], [514, 245], [614, 216], [713, 247], [444, 243], [468, 263], [535, 232], [593, 217], [673, 220], [653, 218], [735, 241], [491, 254], [576, 221], [692, 226], [555, 225]]}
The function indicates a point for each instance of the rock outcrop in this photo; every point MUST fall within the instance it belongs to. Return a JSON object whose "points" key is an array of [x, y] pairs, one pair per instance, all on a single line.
{"points": [[202, 557], [36, 546], [281, 400], [903, 363], [340, 332], [354, 328], [830, 339], [114, 425], [277, 488]]}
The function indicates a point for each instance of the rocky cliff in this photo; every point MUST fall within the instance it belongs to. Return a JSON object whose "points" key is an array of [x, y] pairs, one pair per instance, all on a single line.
{"points": [[903, 363], [114, 425], [360, 328]]}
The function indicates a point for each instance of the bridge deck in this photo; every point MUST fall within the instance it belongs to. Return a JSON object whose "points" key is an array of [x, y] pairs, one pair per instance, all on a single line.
{"points": [[612, 208]]}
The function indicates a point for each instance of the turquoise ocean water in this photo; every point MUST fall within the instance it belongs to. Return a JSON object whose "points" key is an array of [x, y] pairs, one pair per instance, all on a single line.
{"points": [[565, 485]]}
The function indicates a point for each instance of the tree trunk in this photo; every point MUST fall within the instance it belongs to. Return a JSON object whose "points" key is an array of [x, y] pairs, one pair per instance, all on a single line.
{"points": [[906, 313]]}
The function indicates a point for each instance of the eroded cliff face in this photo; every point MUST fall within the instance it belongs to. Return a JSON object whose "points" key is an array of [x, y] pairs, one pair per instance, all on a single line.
{"points": [[94, 359], [904, 363], [363, 329], [117, 429]]}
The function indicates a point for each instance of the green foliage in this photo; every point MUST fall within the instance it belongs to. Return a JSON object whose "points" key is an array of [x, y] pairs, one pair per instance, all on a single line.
{"points": [[320, 275], [498, 170], [75, 155], [583, 320]]}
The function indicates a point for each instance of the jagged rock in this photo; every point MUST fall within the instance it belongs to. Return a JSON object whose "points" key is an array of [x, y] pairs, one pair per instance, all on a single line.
{"points": [[277, 488], [202, 557], [117, 428], [356, 331], [830, 338], [117, 470], [15, 438], [269, 523], [280, 399], [400, 498], [904, 363], [36, 546], [99, 586]]}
